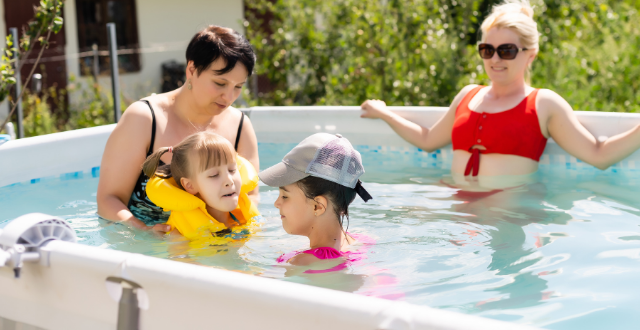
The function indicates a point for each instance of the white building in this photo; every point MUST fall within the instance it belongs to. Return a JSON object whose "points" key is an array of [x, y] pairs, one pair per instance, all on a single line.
{"points": [[160, 29]]}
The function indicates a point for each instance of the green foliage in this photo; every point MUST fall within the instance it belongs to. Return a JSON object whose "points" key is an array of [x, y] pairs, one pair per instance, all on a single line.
{"points": [[422, 52], [92, 107], [39, 119], [342, 52], [7, 72], [47, 19], [589, 54]]}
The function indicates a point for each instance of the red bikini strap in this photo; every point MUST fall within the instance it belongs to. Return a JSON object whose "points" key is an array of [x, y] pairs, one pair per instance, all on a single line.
{"points": [[531, 99], [467, 98]]}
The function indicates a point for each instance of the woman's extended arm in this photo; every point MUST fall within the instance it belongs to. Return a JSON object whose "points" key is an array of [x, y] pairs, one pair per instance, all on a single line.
{"points": [[121, 165], [566, 130], [424, 138]]}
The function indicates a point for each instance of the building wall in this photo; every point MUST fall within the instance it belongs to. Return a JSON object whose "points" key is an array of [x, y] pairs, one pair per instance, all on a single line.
{"points": [[165, 24]]}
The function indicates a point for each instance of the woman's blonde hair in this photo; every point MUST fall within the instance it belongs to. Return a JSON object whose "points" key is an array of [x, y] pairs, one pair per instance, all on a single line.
{"points": [[210, 148], [516, 15]]}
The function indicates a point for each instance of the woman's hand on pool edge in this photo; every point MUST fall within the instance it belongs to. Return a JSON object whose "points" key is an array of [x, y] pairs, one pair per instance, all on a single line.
{"points": [[374, 109]]}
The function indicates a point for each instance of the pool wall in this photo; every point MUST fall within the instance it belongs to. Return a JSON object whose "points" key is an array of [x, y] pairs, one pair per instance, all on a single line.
{"points": [[68, 290], [80, 151], [54, 154]]}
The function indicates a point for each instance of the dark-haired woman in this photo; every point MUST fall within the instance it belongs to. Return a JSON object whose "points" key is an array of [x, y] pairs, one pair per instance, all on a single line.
{"points": [[219, 62]]}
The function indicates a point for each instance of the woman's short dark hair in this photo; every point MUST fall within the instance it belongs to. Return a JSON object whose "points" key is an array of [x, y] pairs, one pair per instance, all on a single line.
{"points": [[219, 42], [339, 195]]}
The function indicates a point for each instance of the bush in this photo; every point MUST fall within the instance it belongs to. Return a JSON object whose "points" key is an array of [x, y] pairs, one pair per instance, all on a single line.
{"points": [[38, 118], [93, 107], [589, 54], [422, 52]]}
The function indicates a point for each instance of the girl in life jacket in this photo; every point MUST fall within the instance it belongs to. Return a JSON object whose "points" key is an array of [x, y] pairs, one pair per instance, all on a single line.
{"points": [[205, 187]]}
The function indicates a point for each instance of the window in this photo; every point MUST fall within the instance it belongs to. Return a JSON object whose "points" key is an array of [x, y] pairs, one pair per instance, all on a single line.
{"points": [[93, 16]]}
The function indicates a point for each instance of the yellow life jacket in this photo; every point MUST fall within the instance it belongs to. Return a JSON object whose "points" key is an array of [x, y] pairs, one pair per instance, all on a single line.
{"points": [[189, 213]]}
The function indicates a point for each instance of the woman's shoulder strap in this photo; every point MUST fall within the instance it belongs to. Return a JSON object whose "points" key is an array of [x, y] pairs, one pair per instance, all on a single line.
{"points": [[153, 127], [531, 99], [239, 131], [467, 98]]}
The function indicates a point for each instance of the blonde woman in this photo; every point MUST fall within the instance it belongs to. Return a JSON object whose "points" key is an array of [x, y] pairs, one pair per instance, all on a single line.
{"points": [[501, 130]]}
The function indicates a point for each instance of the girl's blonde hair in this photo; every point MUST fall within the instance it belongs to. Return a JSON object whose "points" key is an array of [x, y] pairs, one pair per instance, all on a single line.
{"points": [[516, 15], [211, 150]]}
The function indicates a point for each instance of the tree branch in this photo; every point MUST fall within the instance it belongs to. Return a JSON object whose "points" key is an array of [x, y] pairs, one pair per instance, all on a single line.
{"points": [[26, 83], [26, 55]]}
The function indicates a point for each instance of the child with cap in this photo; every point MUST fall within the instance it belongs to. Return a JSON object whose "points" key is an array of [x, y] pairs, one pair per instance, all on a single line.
{"points": [[318, 180]]}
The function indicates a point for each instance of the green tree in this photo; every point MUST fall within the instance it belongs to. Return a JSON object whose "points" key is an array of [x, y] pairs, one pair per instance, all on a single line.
{"points": [[421, 52], [47, 20]]}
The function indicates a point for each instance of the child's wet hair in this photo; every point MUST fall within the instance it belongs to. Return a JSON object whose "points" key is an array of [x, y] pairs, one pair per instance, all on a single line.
{"points": [[340, 196], [210, 149]]}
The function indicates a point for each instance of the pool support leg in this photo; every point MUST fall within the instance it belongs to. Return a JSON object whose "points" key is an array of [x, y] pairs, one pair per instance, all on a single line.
{"points": [[128, 310]]}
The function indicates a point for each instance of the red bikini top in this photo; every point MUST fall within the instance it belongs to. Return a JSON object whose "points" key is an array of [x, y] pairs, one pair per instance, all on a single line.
{"points": [[512, 132]]}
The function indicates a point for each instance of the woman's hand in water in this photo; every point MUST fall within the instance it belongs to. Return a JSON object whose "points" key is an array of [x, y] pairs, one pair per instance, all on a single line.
{"points": [[374, 109]]}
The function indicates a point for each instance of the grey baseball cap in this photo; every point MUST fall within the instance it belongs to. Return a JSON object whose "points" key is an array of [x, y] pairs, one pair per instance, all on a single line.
{"points": [[327, 156]]}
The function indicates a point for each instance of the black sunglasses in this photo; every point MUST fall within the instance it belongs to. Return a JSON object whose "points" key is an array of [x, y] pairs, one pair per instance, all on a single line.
{"points": [[505, 51]]}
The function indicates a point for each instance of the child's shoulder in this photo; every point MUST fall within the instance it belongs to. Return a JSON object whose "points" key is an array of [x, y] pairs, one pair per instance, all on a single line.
{"points": [[303, 259]]}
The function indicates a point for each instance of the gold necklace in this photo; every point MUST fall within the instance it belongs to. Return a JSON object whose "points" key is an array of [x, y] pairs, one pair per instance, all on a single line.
{"points": [[196, 129]]}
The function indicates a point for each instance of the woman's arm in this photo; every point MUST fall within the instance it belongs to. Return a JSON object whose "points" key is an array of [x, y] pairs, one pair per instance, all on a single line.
{"points": [[121, 165], [248, 148], [424, 138], [563, 126]]}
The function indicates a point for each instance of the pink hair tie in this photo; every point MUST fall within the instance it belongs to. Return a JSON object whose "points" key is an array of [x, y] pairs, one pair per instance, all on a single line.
{"points": [[170, 150]]}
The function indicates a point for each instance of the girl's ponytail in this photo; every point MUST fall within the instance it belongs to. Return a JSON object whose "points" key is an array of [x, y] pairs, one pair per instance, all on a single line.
{"points": [[150, 166]]}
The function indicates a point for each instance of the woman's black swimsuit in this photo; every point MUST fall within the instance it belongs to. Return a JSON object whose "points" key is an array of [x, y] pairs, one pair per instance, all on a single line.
{"points": [[139, 204]]}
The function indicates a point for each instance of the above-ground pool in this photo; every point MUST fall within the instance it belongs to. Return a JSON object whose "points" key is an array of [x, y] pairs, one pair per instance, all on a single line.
{"points": [[560, 252]]}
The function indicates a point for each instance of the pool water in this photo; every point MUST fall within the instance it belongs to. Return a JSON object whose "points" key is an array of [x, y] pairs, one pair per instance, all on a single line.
{"points": [[560, 253]]}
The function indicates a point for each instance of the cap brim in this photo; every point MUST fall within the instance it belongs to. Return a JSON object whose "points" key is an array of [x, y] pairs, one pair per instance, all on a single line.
{"points": [[280, 175]]}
